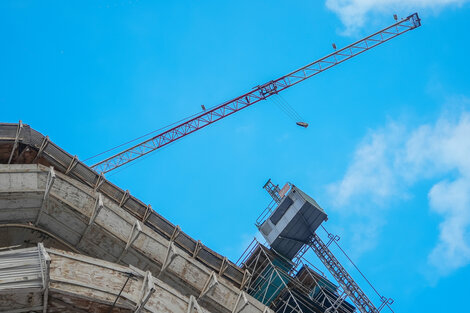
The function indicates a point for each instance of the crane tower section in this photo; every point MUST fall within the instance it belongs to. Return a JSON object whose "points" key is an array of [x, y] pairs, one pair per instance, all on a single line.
{"points": [[283, 278]]}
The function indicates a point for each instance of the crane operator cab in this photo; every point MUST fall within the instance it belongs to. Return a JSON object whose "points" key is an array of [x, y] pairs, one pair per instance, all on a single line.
{"points": [[292, 222]]}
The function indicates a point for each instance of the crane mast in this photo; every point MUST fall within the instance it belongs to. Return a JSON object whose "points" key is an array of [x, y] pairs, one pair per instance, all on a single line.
{"points": [[261, 92]]}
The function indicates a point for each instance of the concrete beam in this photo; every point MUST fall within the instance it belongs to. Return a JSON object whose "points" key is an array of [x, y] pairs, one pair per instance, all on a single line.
{"points": [[114, 234], [42, 150], [77, 283]]}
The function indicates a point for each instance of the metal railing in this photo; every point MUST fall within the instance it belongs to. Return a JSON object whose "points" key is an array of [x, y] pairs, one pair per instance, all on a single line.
{"points": [[273, 284]]}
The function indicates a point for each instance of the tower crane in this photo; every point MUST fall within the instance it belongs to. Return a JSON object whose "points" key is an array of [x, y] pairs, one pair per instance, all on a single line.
{"points": [[260, 92]]}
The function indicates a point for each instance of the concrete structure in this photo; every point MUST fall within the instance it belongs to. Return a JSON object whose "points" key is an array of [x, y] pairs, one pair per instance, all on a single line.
{"points": [[51, 280], [48, 196]]}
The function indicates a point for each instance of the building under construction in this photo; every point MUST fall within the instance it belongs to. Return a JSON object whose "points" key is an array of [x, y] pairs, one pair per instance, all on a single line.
{"points": [[72, 241]]}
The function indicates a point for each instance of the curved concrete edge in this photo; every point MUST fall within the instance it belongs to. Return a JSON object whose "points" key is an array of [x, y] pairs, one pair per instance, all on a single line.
{"points": [[58, 281], [70, 212], [20, 142]]}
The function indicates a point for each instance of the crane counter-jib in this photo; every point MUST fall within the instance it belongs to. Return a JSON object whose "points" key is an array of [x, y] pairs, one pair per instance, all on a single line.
{"points": [[258, 93]]}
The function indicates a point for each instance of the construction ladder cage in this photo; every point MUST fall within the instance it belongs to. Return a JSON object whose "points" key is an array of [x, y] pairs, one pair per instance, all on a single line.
{"points": [[290, 289], [347, 286], [346, 282]]}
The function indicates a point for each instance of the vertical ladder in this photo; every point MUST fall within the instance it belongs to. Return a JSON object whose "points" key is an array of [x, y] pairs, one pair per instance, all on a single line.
{"points": [[273, 191], [351, 288]]}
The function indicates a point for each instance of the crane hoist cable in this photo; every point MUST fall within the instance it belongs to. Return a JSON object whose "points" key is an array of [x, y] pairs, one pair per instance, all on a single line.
{"points": [[260, 92], [281, 106], [289, 110]]}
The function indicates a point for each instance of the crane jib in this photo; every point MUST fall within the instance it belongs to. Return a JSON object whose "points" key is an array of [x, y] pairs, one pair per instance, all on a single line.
{"points": [[257, 94]]}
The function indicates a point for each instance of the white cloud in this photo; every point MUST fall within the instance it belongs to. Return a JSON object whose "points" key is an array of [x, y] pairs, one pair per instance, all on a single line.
{"points": [[371, 171], [354, 13], [390, 160], [451, 199]]}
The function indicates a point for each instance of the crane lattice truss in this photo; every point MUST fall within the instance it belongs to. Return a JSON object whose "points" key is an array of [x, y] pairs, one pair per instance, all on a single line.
{"points": [[352, 289], [259, 93]]}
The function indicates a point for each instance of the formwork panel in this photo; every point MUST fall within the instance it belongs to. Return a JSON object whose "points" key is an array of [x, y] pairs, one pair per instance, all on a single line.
{"points": [[109, 233]]}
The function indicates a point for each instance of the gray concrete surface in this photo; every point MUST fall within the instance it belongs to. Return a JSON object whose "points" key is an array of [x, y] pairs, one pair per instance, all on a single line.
{"points": [[38, 204], [50, 280]]}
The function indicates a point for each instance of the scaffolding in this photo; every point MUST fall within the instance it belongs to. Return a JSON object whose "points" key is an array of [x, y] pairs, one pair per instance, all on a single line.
{"points": [[288, 287], [280, 275]]}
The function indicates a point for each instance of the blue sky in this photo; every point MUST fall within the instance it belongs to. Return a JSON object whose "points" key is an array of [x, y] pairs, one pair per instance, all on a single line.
{"points": [[386, 153]]}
